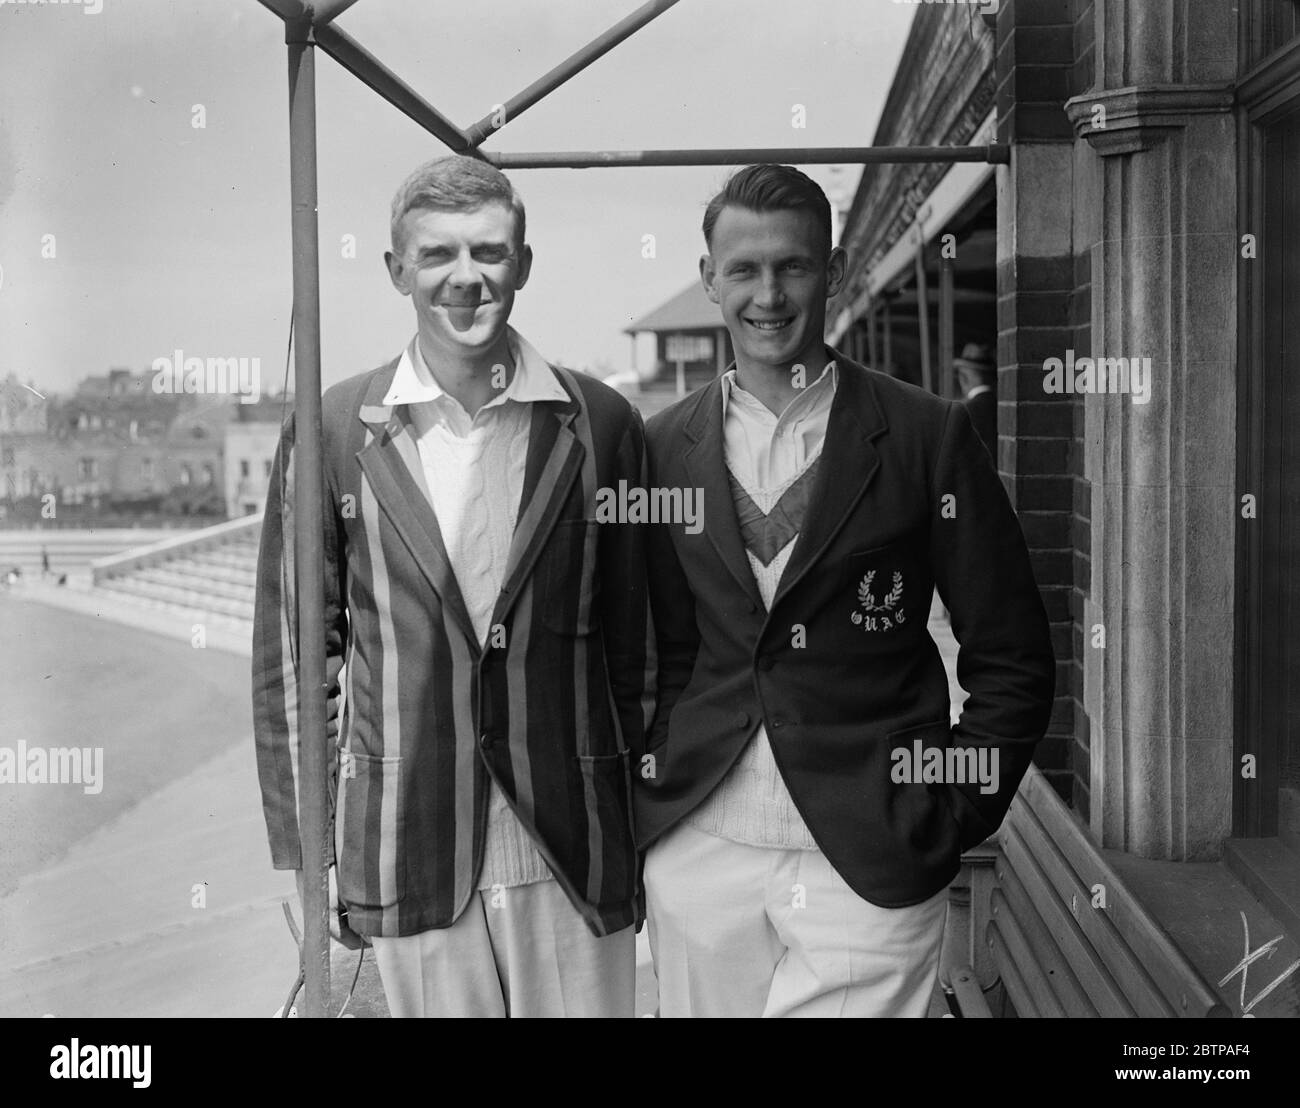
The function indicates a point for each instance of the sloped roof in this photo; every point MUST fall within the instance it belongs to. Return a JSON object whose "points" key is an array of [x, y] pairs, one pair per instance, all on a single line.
{"points": [[689, 310]]}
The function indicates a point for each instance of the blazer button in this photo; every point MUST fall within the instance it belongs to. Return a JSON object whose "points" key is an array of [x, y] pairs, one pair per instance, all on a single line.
{"points": [[488, 740], [742, 719]]}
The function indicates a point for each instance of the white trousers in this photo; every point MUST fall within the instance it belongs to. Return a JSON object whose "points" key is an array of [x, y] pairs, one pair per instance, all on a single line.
{"points": [[521, 952], [745, 931]]}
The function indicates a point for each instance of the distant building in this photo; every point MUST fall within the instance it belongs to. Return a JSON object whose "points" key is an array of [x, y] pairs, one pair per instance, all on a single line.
{"points": [[691, 348], [116, 450], [250, 442], [23, 410]]}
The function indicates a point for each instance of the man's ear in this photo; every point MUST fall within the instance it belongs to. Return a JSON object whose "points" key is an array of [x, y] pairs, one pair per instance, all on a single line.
{"points": [[837, 268], [708, 274], [525, 266], [397, 273]]}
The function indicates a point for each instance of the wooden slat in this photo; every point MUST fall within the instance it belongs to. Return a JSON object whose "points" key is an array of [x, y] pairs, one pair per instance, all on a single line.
{"points": [[1076, 896], [968, 994], [1012, 979], [1183, 988], [1027, 894], [982, 860], [1022, 957], [1018, 863]]}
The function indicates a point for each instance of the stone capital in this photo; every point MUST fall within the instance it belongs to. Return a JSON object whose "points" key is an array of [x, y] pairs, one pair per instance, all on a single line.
{"points": [[1138, 116]]}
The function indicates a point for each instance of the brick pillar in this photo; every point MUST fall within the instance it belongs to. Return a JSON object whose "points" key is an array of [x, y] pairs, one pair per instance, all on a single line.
{"points": [[1035, 277]]}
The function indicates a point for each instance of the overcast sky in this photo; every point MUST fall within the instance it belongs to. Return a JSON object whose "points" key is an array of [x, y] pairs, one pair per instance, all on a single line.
{"points": [[167, 236]]}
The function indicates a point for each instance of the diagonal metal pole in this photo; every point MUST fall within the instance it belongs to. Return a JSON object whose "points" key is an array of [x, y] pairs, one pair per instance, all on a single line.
{"points": [[308, 567], [570, 67], [363, 65]]}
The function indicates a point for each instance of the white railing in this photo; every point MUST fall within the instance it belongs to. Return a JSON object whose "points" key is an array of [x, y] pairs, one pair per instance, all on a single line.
{"points": [[189, 542]]}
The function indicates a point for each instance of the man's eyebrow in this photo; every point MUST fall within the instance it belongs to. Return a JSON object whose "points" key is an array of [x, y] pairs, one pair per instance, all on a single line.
{"points": [[482, 244], [744, 259]]}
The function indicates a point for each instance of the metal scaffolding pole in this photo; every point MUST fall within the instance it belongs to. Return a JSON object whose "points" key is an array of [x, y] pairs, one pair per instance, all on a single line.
{"points": [[888, 336], [923, 313], [309, 568], [571, 66], [994, 154], [946, 385], [368, 69]]}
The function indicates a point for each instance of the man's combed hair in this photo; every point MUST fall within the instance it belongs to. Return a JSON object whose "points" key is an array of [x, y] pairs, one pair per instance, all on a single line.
{"points": [[770, 188], [456, 184]]}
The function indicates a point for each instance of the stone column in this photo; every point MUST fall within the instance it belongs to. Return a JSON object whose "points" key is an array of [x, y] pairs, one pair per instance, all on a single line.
{"points": [[1158, 695]]}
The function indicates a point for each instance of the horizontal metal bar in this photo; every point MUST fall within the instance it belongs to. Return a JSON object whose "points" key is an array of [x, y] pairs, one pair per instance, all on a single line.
{"points": [[995, 154], [571, 66], [355, 58]]}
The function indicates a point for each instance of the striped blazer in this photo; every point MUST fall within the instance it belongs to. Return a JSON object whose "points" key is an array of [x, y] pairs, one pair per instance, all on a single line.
{"points": [[548, 708]]}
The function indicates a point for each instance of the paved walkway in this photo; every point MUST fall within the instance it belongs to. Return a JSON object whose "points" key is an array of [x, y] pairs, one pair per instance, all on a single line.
{"points": [[98, 912]]}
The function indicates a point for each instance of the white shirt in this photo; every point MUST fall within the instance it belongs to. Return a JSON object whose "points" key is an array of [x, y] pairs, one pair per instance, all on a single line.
{"points": [[474, 465]]}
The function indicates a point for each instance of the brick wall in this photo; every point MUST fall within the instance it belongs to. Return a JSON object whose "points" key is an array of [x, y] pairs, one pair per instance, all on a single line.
{"points": [[1042, 311]]}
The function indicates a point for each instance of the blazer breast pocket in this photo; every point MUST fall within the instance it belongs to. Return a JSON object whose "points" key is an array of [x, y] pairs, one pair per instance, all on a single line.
{"points": [[885, 591], [569, 579]]}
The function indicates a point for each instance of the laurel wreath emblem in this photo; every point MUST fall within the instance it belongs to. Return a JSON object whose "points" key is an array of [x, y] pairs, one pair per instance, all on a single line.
{"points": [[888, 610]]}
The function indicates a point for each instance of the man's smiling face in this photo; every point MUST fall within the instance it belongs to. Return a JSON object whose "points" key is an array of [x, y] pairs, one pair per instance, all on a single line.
{"points": [[770, 274], [461, 270]]}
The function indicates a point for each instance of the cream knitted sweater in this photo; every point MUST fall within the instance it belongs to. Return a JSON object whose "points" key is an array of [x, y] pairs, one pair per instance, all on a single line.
{"points": [[751, 804]]}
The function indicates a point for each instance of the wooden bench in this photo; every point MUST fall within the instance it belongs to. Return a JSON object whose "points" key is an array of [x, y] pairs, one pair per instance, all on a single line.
{"points": [[1052, 951]]}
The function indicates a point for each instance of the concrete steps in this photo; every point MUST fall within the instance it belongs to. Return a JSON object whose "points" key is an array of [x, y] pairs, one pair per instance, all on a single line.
{"points": [[207, 577]]}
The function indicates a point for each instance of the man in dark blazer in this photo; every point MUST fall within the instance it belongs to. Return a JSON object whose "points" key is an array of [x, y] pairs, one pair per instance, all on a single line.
{"points": [[802, 797], [489, 638]]}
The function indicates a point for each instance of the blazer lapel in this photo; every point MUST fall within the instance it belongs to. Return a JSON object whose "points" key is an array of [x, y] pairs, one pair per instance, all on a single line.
{"points": [[391, 463], [555, 459], [849, 461], [707, 468]]}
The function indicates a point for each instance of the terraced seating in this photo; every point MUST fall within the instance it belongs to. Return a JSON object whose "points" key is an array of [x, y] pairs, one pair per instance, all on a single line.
{"points": [[206, 575]]}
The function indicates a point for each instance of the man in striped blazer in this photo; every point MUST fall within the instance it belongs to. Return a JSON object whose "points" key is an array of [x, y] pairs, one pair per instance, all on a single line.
{"points": [[488, 636]]}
